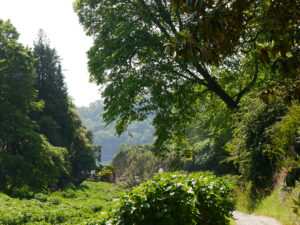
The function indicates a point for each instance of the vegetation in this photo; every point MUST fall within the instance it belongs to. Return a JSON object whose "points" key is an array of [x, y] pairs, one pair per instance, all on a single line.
{"points": [[248, 146], [73, 205], [43, 144], [136, 164], [279, 204], [174, 198], [217, 52], [218, 79]]}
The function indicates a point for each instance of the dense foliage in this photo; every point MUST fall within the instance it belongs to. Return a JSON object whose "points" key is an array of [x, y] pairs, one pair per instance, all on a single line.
{"points": [[174, 198], [138, 133], [250, 138], [43, 144], [59, 120], [285, 144], [26, 157], [74, 205], [172, 58]]}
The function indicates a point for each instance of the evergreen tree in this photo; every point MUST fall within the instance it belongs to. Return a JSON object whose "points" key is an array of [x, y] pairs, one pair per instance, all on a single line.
{"points": [[54, 120], [59, 120]]}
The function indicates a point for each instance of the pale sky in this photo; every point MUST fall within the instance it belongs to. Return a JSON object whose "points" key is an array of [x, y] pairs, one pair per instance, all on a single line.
{"points": [[66, 35]]}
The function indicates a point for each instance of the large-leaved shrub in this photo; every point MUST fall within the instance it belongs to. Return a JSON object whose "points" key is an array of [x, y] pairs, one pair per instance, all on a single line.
{"points": [[174, 198]]}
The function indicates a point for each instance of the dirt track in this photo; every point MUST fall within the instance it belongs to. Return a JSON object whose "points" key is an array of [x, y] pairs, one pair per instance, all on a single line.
{"points": [[245, 219]]}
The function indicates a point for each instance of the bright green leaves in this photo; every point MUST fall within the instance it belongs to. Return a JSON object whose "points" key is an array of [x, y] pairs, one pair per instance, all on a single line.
{"points": [[174, 198], [155, 59]]}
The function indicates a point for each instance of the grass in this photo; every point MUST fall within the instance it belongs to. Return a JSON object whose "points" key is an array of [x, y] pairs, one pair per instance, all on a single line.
{"points": [[232, 222], [279, 204], [70, 206]]}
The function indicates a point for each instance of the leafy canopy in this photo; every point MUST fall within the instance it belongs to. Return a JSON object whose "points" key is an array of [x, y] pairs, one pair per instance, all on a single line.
{"points": [[161, 57]]}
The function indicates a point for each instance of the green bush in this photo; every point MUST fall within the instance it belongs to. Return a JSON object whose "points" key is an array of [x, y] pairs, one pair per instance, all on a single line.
{"points": [[174, 198], [250, 138], [106, 174], [282, 135]]}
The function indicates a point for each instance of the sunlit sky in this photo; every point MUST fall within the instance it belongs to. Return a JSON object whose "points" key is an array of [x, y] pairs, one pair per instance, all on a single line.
{"points": [[66, 35]]}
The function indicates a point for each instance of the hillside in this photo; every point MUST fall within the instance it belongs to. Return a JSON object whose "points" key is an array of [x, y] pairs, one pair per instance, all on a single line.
{"points": [[138, 133]]}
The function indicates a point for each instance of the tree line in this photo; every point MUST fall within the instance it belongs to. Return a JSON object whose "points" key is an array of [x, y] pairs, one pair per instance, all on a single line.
{"points": [[43, 144]]}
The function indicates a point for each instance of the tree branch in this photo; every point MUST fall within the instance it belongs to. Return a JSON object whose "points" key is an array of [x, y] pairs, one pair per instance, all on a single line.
{"points": [[165, 15], [247, 88], [198, 80], [179, 20], [213, 86], [153, 18]]}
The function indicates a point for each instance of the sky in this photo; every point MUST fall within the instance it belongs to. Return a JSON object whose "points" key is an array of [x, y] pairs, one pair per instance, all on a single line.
{"points": [[66, 35]]}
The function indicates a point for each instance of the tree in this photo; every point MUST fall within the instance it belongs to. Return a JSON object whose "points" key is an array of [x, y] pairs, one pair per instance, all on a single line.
{"points": [[213, 30], [54, 120], [59, 121], [251, 136], [152, 63], [27, 159]]}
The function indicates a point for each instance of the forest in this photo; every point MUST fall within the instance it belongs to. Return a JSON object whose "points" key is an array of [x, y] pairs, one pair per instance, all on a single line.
{"points": [[198, 121]]}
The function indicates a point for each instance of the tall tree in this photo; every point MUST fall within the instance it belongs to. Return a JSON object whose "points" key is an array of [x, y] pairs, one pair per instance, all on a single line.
{"points": [[143, 54], [54, 120], [26, 157], [59, 121], [213, 30]]}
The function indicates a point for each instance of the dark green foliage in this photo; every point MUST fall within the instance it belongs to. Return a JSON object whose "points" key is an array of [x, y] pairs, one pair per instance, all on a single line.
{"points": [[54, 120], [250, 139], [210, 155], [41, 167], [81, 153], [284, 136], [175, 199], [27, 159], [59, 121], [284, 147]]}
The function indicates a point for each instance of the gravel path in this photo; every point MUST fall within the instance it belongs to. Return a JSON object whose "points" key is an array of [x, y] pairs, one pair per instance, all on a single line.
{"points": [[245, 219]]}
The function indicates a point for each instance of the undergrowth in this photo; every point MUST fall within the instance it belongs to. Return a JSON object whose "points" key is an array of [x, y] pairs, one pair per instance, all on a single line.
{"points": [[277, 204], [70, 206]]}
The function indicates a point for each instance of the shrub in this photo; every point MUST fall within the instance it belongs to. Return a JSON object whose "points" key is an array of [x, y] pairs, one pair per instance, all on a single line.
{"points": [[250, 138], [174, 198], [107, 174], [209, 155], [283, 135]]}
